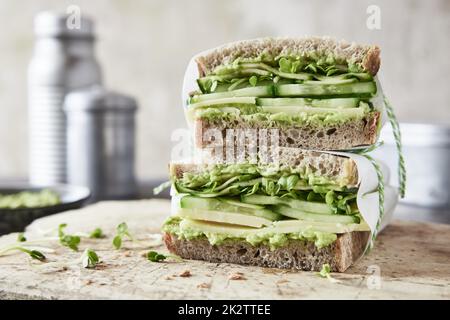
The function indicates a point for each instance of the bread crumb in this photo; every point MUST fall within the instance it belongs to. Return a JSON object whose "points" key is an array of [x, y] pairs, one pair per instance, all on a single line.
{"points": [[237, 276], [282, 281], [89, 282], [271, 270], [101, 266], [168, 278], [127, 253], [185, 273], [204, 285]]}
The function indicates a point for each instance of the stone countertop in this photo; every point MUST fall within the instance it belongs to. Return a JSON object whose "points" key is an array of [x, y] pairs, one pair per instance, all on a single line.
{"points": [[410, 261]]}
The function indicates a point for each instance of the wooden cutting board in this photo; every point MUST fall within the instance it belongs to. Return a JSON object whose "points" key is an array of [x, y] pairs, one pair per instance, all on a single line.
{"points": [[411, 260]]}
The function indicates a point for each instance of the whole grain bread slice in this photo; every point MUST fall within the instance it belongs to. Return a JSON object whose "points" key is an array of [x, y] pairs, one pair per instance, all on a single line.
{"points": [[366, 56], [342, 136], [320, 163], [296, 254]]}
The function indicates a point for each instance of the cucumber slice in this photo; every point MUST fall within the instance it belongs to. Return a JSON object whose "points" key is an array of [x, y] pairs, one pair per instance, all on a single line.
{"points": [[356, 112], [308, 206], [224, 217], [292, 226], [211, 204], [241, 204], [335, 103], [305, 102], [234, 231], [362, 89], [313, 207], [258, 199], [260, 91], [224, 101], [302, 215], [189, 202]]}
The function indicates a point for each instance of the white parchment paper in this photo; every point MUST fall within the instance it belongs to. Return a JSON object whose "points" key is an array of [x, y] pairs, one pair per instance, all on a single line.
{"points": [[367, 198]]}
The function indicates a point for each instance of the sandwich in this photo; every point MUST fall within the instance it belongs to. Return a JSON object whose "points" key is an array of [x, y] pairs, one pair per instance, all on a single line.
{"points": [[299, 213], [273, 117], [318, 93]]}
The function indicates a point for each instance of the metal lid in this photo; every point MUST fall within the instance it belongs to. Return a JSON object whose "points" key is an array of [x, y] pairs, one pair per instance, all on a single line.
{"points": [[97, 98], [54, 24]]}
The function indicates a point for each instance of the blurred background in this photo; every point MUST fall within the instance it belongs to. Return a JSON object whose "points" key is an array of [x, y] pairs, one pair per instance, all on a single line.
{"points": [[143, 48]]}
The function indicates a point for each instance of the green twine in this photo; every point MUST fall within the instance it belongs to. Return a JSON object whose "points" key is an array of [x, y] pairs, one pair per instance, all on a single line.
{"points": [[363, 151], [377, 168], [398, 143], [401, 166]]}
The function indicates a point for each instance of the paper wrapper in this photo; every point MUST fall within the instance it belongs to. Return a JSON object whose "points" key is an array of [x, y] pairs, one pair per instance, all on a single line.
{"points": [[367, 197]]}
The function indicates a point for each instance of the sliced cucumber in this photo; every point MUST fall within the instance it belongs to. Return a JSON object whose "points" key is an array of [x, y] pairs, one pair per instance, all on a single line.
{"points": [[211, 204], [234, 231], [305, 102], [224, 101], [189, 202], [260, 91], [362, 89], [241, 204], [302, 215], [292, 226], [293, 110], [258, 199], [335, 103], [224, 217], [308, 206]]}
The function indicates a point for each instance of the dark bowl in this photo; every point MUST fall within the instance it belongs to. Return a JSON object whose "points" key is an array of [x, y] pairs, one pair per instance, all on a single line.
{"points": [[15, 220]]}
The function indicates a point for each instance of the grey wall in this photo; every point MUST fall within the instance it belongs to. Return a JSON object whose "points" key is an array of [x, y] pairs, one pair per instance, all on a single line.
{"points": [[144, 47]]}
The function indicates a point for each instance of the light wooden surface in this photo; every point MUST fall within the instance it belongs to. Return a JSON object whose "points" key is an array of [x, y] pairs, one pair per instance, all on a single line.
{"points": [[413, 260]]}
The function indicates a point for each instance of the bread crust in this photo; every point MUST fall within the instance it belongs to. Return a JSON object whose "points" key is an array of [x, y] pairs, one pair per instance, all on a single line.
{"points": [[367, 56], [296, 254]]}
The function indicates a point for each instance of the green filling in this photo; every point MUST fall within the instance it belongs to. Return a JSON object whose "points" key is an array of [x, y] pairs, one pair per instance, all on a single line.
{"points": [[27, 199], [309, 63], [297, 69], [244, 179], [319, 80], [273, 240], [281, 119]]}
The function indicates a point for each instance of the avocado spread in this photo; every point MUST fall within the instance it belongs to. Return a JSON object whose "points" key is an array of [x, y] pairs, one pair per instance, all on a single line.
{"points": [[283, 119], [29, 199], [273, 240]]}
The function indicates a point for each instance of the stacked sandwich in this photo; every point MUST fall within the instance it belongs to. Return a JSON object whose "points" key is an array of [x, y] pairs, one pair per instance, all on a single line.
{"points": [[271, 116]]}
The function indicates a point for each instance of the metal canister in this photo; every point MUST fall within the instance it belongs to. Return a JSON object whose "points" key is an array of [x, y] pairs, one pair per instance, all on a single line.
{"points": [[63, 60], [426, 148], [101, 142]]}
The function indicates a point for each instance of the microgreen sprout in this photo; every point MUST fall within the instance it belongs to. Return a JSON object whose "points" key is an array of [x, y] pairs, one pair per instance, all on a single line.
{"points": [[89, 259]]}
